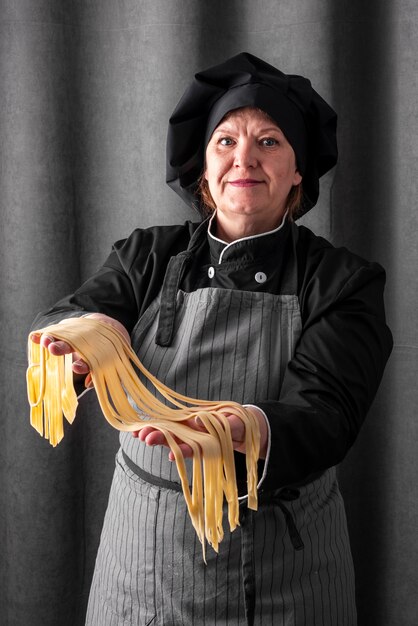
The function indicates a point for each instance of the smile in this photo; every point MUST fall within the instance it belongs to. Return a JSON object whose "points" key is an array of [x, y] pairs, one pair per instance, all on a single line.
{"points": [[245, 182]]}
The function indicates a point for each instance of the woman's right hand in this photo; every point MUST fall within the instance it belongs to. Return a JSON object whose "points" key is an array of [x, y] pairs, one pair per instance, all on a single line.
{"points": [[58, 347]]}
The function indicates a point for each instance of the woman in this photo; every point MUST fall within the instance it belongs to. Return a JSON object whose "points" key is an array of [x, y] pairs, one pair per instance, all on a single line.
{"points": [[245, 306]]}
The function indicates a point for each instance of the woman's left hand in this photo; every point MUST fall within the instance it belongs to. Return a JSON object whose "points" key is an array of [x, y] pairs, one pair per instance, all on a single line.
{"points": [[153, 437]]}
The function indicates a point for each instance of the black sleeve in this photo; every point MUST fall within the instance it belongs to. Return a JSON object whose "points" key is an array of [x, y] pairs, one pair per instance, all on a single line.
{"points": [[108, 291], [128, 281], [332, 379]]}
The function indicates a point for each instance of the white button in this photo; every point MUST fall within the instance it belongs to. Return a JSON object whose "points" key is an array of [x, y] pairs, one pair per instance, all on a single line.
{"points": [[211, 272], [260, 277]]}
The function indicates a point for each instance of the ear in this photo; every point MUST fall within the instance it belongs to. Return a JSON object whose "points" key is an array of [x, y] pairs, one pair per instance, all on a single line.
{"points": [[297, 179]]}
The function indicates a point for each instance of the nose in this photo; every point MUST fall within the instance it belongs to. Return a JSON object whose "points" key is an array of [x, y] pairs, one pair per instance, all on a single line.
{"points": [[245, 154]]}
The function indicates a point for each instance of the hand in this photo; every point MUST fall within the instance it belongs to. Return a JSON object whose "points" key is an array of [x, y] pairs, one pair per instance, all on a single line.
{"points": [[153, 437], [58, 347]]}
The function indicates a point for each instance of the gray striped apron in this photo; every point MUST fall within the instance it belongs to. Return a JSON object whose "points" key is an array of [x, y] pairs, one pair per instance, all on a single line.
{"points": [[289, 563]]}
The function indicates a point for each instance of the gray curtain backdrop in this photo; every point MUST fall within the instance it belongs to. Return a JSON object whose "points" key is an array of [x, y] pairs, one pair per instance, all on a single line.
{"points": [[86, 89]]}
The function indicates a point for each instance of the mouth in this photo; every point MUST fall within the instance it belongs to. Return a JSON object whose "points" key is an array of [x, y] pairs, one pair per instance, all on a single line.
{"points": [[245, 182]]}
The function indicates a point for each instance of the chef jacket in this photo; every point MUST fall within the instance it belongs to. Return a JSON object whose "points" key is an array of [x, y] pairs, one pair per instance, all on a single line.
{"points": [[332, 379]]}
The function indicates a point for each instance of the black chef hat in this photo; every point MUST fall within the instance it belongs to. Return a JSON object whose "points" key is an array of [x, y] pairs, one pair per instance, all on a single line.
{"points": [[306, 120]]}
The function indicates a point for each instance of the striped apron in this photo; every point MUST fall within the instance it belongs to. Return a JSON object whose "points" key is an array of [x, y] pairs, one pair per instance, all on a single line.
{"points": [[289, 563]]}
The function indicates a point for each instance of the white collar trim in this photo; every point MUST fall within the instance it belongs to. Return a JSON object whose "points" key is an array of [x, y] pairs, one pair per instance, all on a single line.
{"points": [[229, 245]]}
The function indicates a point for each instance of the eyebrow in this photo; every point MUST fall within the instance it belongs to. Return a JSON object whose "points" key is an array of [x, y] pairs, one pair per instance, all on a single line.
{"points": [[225, 127]]}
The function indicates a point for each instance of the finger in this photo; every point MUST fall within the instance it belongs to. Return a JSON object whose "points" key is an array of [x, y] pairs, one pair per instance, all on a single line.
{"points": [[196, 423], [237, 428], [144, 432], [58, 348], [88, 383], [185, 449], [45, 340], [152, 437], [80, 367], [36, 337]]}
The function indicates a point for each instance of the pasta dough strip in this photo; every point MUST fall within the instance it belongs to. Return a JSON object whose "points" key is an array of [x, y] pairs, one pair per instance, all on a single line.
{"points": [[121, 394]]}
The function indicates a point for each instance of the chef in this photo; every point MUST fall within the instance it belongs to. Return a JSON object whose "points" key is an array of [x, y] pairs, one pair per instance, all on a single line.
{"points": [[241, 305]]}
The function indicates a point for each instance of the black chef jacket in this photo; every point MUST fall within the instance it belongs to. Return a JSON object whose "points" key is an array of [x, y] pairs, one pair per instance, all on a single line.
{"points": [[339, 360]]}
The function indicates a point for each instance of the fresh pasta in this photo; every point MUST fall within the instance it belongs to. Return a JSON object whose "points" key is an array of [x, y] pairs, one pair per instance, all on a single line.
{"points": [[129, 405]]}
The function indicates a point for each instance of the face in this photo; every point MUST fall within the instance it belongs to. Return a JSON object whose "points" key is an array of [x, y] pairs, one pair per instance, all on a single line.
{"points": [[250, 170]]}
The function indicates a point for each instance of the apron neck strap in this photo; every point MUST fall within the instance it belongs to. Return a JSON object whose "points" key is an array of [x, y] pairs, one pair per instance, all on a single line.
{"points": [[173, 276]]}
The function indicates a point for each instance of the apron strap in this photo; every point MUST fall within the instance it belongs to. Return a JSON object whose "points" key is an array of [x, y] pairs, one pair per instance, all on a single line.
{"points": [[174, 274], [294, 535], [172, 279], [162, 483], [247, 563], [247, 542]]}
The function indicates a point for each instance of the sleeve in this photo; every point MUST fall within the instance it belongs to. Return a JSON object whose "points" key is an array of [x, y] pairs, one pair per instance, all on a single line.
{"points": [[331, 380], [108, 291], [128, 281]]}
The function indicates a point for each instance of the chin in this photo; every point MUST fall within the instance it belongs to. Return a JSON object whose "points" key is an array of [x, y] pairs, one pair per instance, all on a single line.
{"points": [[249, 210]]}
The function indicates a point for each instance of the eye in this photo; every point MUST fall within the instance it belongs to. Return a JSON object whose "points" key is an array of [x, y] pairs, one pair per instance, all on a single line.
{"points": [[269, 142], [225, 141]]}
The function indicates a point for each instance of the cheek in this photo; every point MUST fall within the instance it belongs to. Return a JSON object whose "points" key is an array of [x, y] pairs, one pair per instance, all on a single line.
{"points": [[215, 171], [216, 162], [286, 172], [210, 177], [209, 168]]}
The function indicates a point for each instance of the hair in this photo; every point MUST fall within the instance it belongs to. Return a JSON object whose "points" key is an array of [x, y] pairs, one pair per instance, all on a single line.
{"points": [[293, 203]]}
